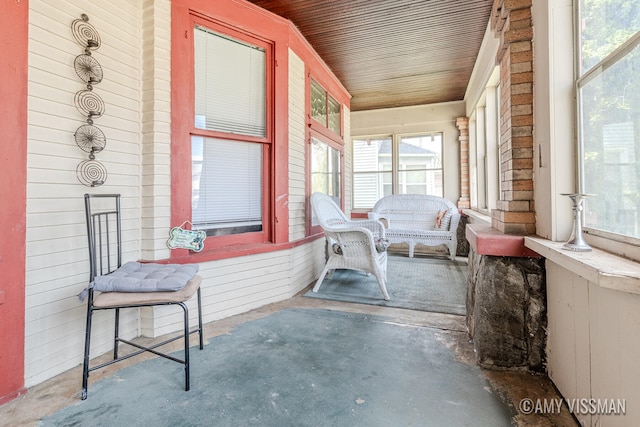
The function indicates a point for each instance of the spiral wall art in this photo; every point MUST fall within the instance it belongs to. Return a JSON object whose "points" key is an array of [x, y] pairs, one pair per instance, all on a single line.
{"points": [[85, 33], [89, 104], [91, 173]]}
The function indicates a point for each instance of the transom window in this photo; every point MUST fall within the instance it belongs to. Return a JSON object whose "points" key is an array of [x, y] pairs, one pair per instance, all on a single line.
{"points": [[609, 116], [324, 108], [400, 164]]}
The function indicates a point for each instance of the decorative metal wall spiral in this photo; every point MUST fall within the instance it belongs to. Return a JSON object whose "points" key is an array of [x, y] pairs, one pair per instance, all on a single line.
{"points": [[85, 33], [88, 137], [89, 104], [88, 69], [91, 173]]}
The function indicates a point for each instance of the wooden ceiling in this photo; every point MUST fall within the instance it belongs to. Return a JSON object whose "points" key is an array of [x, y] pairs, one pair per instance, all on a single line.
{"points": [[392, 53]]}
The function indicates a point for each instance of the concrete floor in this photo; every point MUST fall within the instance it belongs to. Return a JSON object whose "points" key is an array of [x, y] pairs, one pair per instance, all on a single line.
{"points": [[47, 398]]}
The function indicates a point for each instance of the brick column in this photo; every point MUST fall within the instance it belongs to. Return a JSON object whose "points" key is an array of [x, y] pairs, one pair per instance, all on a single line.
{"points": [[511, 21], [462, 123]]}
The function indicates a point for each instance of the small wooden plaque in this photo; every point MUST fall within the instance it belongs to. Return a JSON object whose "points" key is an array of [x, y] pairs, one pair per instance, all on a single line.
{"points": [[186, 239]]}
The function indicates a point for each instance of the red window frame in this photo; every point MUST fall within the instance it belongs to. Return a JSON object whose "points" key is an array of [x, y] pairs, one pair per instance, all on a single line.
{"points": [[251, 20], [183, 128], [263, 236], [321, 132]]}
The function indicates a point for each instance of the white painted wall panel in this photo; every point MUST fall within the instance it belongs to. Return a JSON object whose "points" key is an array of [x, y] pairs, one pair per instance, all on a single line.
{"points": [[156, 129], [297, 148], [57, 259], [594, 338]]}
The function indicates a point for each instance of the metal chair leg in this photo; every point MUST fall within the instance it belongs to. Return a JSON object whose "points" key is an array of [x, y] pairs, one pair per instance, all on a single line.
{"points": [[87, 346], [116, 334], [187, 384], [200, 331]]}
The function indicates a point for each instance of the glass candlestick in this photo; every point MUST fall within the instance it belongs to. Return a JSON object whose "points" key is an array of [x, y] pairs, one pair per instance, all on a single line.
{"points": [[576, 241]]}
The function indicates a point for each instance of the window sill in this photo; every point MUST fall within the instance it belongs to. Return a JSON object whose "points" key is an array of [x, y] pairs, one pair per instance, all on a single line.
{"points": [[597, 266], [183, 256], [477, 217]]}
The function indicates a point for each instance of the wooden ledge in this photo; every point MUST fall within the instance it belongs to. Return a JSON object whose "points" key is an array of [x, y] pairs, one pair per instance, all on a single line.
{"points": [[485, 240], [597, 266]]}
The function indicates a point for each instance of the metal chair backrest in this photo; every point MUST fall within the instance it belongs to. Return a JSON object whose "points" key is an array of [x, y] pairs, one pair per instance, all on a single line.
{"points": [[104, 233]]}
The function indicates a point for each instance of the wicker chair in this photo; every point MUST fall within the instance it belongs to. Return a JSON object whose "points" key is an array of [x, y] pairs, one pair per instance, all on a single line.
{"points": [[352, 242]]}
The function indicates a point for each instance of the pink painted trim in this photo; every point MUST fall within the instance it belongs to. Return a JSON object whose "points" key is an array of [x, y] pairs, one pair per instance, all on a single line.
{"points": [[9, 397], [485, 240], [14, 24]]}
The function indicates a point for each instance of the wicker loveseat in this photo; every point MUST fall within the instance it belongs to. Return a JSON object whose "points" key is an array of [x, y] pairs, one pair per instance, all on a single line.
{"points": [[419, 219]]}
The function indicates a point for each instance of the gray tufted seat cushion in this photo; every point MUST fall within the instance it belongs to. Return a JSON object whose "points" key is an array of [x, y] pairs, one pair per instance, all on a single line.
{"points": [[138, 277]]}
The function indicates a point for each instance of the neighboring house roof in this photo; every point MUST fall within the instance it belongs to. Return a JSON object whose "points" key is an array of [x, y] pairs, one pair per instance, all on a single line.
{"points": [[385, 148]]}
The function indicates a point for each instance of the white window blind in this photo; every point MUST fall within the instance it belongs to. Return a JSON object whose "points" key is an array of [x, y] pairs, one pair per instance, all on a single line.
{"points": [[230, 84], [227, 185]]}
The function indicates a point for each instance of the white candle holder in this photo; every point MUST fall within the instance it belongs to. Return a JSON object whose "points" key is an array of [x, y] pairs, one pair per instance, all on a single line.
{"points": [[576, 241]]}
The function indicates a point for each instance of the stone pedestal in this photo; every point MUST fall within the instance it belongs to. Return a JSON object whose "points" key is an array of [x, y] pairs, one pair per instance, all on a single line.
{"points": [[506, 311], [463, 244]]}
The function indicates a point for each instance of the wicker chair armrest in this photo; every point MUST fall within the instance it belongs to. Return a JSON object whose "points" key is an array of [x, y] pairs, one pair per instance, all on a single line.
{"points": [[455, 220], [376, 227], [354, 241]]}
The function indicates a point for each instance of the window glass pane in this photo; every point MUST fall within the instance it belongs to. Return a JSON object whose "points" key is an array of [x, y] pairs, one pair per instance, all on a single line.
{"points": [[424, 182], [372, 176], [370, 155], [605, 25], [423, 152], [226, 186], [420, 164], [318, 103], [334, 115], [370, 187], [610, 138], [325, 169], [230, 84], [416, 177]]}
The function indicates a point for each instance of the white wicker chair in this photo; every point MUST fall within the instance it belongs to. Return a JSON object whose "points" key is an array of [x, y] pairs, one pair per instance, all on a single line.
{"points": [[356, 240]]}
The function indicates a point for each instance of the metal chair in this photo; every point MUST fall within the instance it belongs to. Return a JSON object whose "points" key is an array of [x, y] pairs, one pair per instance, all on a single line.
{"points": [[355, 242], [105, 256]]}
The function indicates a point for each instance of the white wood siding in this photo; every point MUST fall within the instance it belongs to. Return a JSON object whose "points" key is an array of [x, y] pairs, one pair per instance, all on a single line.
{"points": [[593, 343], [297, 148], [156, 128], [57, 258]]}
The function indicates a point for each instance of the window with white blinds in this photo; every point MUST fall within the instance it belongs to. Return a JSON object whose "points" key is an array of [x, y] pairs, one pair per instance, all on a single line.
{"points": [[226, 186], [230, 84]]}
